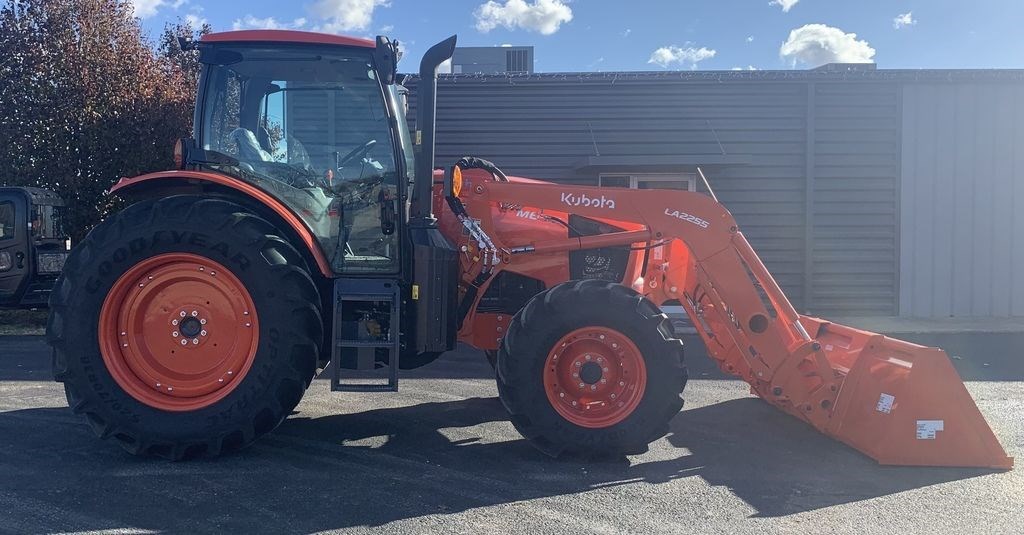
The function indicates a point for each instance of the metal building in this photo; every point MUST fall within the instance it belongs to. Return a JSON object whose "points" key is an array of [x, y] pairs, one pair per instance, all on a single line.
{"points": [[866, 192]]}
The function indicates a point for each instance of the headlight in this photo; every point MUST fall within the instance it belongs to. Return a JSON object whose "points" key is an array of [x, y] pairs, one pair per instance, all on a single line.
{"points": [[5, 261]]}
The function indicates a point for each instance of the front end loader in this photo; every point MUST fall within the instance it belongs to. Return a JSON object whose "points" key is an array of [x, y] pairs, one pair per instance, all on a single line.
{"points": [[305, 228]]}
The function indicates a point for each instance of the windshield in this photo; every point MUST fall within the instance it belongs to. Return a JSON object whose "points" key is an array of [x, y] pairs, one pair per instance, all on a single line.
{"points": [[311, 126], [48, 221]]}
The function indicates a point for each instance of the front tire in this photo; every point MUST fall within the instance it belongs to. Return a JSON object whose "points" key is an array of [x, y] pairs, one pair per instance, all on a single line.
{"points": [[590, 368], [208, 327]]}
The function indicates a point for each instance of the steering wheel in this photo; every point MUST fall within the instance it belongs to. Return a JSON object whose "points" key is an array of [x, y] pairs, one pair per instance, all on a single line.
{"points": [[356, 153]]}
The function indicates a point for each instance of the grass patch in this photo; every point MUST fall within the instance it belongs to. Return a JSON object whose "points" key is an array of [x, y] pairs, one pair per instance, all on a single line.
{"points": [[22, 322]]}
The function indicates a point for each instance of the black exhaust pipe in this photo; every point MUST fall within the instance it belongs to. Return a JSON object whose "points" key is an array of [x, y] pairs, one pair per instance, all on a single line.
{"points": [[421, 211]]}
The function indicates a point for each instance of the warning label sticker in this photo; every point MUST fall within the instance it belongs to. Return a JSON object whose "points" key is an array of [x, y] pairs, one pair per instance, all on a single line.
{"points": [[926, 429], [885, 402]]}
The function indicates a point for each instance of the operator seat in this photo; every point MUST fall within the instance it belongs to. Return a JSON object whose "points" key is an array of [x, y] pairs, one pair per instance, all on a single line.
{"points": [[249, 149]]}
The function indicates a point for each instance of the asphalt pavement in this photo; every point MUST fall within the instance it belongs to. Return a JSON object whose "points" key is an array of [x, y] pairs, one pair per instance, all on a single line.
{"points": [[439, 457]]}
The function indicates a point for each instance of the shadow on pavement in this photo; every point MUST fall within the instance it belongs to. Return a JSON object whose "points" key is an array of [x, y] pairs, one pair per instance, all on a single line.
{"points": [[312, 474]]}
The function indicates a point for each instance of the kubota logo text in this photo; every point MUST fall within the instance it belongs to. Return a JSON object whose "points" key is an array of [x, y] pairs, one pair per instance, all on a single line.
{"points": [[582, 199], [687, 217]]}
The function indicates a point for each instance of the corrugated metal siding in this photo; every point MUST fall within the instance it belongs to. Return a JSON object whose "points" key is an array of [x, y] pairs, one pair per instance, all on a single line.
{"points": [[963, 175], [855, 158], [544, 126]]}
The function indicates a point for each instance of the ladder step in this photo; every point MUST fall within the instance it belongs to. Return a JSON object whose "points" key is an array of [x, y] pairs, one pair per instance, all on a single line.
{"points": [[365, 343], [358, 387], [365, 297], [348, 293]]}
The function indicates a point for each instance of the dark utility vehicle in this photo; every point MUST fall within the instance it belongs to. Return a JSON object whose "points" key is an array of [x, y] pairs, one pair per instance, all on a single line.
{"points": [[33, 245]]}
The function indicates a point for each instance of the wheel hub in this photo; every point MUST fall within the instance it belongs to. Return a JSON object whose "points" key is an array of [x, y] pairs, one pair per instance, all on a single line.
{"points": [[595, 377], [590, 373], [190, 327], [156, 337]]}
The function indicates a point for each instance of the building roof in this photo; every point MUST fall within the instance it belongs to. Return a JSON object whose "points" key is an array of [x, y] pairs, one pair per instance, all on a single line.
{"points": [[812, 75], [285, 36]]}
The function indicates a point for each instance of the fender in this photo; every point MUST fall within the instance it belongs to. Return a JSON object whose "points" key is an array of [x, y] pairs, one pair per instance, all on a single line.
{"points": [[295, 222]]}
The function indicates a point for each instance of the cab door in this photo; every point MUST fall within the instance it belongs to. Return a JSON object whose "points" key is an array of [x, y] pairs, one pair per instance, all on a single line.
{"points": [[15, 265]]}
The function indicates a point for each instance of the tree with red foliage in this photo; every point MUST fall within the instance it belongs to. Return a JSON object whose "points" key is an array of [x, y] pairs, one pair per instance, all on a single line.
{"points": [[85, 99]]}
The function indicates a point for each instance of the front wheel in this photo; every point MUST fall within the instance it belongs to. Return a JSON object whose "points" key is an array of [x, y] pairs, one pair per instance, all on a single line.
{"points": [[206, 332], [590, 367]]}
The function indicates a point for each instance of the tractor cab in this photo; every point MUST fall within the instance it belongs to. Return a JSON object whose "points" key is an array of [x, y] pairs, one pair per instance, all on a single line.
{"points": [[320, 128], [33, 245]]}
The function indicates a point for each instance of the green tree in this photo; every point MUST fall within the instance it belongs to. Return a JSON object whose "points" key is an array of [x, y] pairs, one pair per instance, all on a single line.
{"points": [[86, 100]]}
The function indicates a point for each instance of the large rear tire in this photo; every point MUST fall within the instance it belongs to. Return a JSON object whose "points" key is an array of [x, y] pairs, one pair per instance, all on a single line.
{"points": [[207, 327], [591, 368]]}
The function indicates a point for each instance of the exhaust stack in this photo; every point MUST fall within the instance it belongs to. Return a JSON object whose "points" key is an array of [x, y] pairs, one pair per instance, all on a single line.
{"points": [[421, 213]]}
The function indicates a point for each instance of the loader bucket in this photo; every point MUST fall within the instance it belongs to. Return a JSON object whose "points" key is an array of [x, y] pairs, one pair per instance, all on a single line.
{"points": [[903, 404]]}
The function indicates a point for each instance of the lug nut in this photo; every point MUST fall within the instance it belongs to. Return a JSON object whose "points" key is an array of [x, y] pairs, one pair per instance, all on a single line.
{"points": [[184, 342], [183, 314], [174, 334], [622, 383], [174, 322], [202, 321], [202, 332], [582, 385], [195, 341], [195, 313], [593, 387]]}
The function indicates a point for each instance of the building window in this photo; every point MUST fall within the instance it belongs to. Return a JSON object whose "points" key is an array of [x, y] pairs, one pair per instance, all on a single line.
{"points": [[680, 181]]}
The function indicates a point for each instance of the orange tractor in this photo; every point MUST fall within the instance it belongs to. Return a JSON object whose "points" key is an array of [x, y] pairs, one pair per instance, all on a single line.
{"points": [[304, 231]]}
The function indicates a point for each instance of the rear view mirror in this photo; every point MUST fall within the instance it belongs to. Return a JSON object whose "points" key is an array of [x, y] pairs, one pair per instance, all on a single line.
{"points": [[385, 57]]}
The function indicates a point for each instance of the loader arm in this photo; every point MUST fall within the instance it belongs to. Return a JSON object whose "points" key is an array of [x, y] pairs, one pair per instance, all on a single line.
{"points": [[899, 403]]}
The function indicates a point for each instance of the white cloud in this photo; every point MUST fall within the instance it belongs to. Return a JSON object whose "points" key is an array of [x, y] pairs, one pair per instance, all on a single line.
{"points": [[250, 22], [786, 5], [667, 55], [387, 28], [445, 67], [543, 16], [747, 68], [196, 21], [818, 44], [750, 38], [147, 8], [626, 32], [346, 15], [906, 19]]}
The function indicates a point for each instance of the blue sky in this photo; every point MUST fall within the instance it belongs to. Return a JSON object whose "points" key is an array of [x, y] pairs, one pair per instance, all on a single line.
{"points": [[618, 35]]}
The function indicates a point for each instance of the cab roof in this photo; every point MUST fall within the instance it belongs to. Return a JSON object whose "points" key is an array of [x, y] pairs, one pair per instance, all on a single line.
{"points": [[285, 36]]}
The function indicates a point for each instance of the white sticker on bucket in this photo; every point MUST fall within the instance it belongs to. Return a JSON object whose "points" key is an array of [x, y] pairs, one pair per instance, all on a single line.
{"points": [[926, 429], [885, 402]]}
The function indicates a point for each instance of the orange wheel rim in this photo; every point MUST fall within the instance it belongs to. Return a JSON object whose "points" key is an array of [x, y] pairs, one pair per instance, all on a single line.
{"points": [[595, 377], [178, 332]]}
